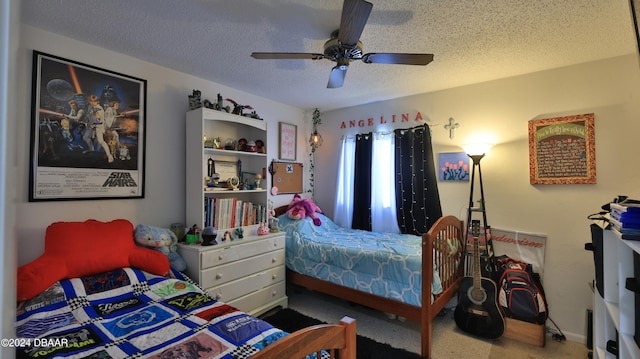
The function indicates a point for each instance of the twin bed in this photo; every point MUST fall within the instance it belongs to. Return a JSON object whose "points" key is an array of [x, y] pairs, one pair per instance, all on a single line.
{"points": [[380, 271], [130, 313]]}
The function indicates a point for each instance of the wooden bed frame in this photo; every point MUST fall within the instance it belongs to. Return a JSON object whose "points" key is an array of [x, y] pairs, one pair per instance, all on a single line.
{"points": [[450, 273], [333, 338]]}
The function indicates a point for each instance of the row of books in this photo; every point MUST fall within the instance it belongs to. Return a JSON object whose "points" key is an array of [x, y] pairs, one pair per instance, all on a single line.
{"points": [[232, 213], [625, 218]]}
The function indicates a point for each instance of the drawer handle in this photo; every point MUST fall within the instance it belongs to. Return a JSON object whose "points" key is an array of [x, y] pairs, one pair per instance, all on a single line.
{"points": [[274, 293], [220, 257], [219, 296], [274, 276], [273, 260], [219, 276]]}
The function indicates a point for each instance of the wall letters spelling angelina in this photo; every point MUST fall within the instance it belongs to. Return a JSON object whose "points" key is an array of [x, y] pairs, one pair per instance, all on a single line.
{"points": [[382, 120]]}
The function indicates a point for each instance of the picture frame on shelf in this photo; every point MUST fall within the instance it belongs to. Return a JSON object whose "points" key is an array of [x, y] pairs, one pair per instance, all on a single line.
{"points": [[226, 169], [287, 141], [249, 179], [88, 128]]}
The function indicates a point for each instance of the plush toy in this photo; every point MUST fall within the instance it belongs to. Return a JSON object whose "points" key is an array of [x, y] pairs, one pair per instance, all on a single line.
{"points": [[162, 240], [76, 249], [300, 207]]}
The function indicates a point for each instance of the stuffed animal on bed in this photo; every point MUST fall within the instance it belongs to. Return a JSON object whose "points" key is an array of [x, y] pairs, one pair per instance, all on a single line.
{"points": [[300, 207], [161, 240], [76, 249]]}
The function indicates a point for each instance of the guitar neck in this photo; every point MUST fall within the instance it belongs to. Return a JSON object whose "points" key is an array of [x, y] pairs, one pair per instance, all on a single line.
{"points": [[476, 263]]}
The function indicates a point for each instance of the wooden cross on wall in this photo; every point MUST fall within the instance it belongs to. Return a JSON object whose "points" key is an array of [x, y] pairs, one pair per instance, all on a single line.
{"points": [[452, 127]]}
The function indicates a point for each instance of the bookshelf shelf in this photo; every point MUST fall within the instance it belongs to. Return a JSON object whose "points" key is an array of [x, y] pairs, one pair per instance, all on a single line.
{"points": [[201, 200]]}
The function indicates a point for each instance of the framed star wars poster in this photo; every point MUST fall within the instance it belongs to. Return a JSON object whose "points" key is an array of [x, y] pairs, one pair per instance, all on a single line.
{"points": [[87, 132]]}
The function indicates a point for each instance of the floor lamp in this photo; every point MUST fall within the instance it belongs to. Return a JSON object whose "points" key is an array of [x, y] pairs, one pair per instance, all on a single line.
{"points": [[476, 152]]}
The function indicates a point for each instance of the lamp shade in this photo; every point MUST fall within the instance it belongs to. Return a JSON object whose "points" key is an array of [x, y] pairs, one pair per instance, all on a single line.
{"points": [[476, 149]]}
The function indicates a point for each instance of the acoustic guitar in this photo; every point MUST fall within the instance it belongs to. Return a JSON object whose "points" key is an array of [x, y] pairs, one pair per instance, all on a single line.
{"points": [[477, 312]]}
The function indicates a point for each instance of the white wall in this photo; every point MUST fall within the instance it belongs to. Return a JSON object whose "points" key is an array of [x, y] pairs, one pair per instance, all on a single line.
{"points": [[501, 109], [9, 13], [167, 102]]}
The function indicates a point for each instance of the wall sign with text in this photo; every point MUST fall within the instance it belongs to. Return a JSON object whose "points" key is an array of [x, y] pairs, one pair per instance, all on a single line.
{"points": [[562, 150]]}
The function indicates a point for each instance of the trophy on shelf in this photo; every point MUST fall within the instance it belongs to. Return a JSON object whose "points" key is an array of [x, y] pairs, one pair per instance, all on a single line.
{"points": [[258, 178]]}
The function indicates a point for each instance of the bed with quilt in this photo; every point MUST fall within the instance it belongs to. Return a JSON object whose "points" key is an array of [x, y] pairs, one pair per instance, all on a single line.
{"points": [[103, 308], [383, 271]]}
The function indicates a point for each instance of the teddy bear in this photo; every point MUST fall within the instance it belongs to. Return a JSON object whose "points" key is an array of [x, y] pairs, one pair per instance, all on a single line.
{"points": [[300, 207], [162, 240]]}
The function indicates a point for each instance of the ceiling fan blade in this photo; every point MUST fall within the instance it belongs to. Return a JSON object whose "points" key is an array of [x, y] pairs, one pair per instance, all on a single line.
{"points": [[336, 78], [285, 55], [396, 58], [355, 14]]}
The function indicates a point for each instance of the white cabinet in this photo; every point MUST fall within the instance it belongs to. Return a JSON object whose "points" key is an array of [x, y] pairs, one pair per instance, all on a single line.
{"points": [[247, 273], [614, 314], [212, 124]]}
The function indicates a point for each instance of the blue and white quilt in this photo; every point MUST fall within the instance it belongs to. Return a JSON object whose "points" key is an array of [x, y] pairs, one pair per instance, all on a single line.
{"points": [[384, 264], [128, 313]]}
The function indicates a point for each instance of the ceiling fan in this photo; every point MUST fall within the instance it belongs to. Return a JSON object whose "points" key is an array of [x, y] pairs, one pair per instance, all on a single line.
{"points": [[344, 46]]}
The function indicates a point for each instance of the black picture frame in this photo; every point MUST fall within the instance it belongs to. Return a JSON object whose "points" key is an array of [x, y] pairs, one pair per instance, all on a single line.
{"points": [[84, 146]]}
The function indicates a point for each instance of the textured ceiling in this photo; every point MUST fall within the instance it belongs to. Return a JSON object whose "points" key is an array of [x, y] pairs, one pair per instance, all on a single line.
{"points": [[472, 41]]}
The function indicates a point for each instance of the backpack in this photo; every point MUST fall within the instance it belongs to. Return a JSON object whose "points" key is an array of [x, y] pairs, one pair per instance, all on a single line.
{"points": [[520, 293]]}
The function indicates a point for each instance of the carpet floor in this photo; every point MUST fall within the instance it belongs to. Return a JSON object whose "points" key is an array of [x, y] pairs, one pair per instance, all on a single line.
{"points": [[448, 340], [289, 320]]}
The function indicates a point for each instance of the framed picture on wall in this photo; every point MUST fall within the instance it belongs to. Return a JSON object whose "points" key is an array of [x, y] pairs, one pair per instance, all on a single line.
{"points": [[562, 150], [287, 141], [453, 166], [88, 130]]}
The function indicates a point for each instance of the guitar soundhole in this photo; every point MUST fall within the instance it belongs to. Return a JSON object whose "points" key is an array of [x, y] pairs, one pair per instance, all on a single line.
{"points": [[477, 295]]}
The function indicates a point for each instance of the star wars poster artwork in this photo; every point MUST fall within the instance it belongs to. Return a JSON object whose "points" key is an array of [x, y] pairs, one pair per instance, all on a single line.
{"points": [[87, 132]]}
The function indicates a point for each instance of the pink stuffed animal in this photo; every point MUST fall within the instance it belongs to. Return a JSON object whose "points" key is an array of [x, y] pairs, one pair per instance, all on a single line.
{"points": [[300, 207]]}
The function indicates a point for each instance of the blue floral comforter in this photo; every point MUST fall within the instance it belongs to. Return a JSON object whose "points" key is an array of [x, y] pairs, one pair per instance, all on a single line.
{"points": [[384, 264]]}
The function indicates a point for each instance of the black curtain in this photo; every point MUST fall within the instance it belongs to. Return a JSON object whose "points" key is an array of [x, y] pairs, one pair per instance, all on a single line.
{"points": [[362, 182], [417, 198]]}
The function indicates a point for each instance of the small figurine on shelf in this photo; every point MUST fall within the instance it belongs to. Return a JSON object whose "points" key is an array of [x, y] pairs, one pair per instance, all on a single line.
{"points": [[260, 146], [227, 236], [194, 100], [274, 223], [209, 235], [258, 178], [263, 229], [233, 182], [218, 105], [239, 232], [193, 234], [208, 142], [217, 143], [238, 108]]}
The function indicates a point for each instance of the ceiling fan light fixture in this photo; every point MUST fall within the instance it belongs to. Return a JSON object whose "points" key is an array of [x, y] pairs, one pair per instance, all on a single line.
{"points": [[344, 45]]}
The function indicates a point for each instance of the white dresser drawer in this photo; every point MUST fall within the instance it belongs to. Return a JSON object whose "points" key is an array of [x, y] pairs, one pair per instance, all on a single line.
{"points": [[216, 276], [252, 302], [236, 252], [232, 290]]}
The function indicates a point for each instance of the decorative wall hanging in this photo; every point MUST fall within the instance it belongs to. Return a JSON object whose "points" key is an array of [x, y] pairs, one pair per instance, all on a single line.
{"points": [[451, 126], [87, 132], [562, 150], [286, 177], [288, 135], [453, 166]]}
